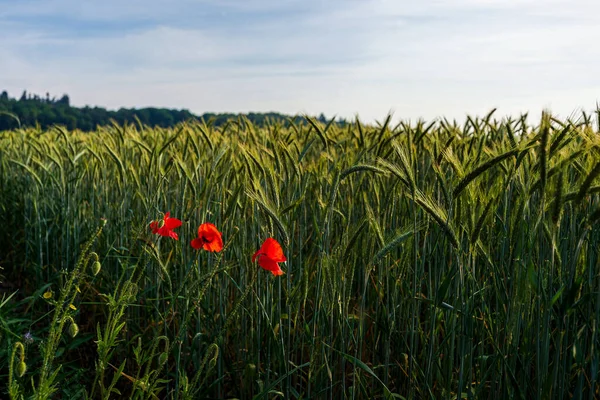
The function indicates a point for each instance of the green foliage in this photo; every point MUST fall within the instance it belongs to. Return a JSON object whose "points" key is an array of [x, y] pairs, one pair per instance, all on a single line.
{"points": [[423, 260]]}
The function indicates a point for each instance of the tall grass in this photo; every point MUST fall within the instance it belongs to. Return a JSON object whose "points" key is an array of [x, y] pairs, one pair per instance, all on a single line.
{"points": [[424, 261]]}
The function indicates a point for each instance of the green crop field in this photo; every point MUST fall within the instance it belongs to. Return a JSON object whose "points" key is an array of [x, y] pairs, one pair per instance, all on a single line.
{"points": [[424, 260]]}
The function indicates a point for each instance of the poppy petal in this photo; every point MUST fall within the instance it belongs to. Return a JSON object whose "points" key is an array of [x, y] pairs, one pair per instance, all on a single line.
{"points": [[273, 250], [214, 245], [208, 237], [270, 265], [197, 243], [207, 229], [172, 223]]}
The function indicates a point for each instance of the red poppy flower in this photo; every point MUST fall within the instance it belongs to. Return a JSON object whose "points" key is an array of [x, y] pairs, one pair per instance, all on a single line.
{"points": [[269, 256], [166, 226], [209, 238]]}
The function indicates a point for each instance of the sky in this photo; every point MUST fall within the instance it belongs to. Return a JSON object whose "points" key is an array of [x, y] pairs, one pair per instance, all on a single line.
{"points": [[344, 58]]}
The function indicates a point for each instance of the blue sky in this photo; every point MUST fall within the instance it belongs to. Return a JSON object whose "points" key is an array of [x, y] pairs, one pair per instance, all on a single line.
{"points": [[341, 57]]}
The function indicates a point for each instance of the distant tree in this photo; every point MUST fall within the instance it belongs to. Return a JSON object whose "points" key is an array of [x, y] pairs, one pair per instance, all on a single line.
{"points": [[64, 101], [32, 110]]}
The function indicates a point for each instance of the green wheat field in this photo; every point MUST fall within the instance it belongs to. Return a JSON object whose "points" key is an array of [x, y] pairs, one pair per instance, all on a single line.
{"points": [[425, 260]]}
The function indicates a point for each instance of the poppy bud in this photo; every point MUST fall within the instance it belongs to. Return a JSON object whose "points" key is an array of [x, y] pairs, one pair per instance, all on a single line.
{"points": [[21, 368], [73, 329], [96, 268], [162, 358]]}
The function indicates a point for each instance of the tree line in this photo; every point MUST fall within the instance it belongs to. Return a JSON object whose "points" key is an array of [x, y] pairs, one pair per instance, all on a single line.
{"points": [[32, 110]]}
